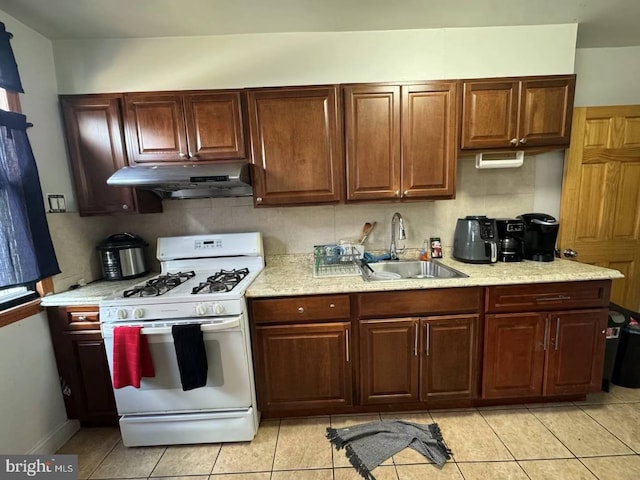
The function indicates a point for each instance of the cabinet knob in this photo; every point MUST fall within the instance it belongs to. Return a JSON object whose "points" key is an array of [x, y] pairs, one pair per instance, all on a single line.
{"points": [[406, 192], [259, 200], [182, 155], [332, 305], [82, 318], [397, 193], [513, 141], [569, 253], [300, 310], [125, 207], [523, 140]]}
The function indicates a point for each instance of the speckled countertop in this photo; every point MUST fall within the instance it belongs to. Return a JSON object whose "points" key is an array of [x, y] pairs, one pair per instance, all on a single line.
{"points": [[92, 293], [287, 275], [293, 275]]}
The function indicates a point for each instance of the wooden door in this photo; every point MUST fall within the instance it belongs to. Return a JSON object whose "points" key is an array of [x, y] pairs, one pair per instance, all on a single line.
{"points": [[514, 351], [94, 133], [303, 366], [546, 111], [600, 209], [448, 365], [489, 114], [214, 126], [389, 361], [155, 127], [575, 355], [372, 126], [429, 113], [296, 145]]}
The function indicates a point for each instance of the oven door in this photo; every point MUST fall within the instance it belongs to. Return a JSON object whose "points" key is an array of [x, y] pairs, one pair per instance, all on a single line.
{"points": [[228, 384]]}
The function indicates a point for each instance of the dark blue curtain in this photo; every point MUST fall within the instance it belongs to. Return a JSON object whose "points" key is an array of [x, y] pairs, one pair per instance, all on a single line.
{"points": [[9, 78], [26, 250]]}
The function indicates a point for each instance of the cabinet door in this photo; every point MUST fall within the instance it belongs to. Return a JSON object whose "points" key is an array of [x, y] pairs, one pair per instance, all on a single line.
{"points": [[546, 110], [448, 368], [576, 351], [214, 126], [372, 126], [93, 371], [94, 132], [389, 361], [514, 351], [303, 366], [489, 114], [155, 126], [296, 145], [429, 149]]}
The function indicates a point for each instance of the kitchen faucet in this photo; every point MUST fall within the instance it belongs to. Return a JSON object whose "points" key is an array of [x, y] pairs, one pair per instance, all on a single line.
{"points": [[399, 221]]}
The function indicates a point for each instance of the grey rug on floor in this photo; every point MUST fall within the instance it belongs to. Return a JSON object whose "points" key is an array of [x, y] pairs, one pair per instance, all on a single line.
{"points": [[369, 444]]}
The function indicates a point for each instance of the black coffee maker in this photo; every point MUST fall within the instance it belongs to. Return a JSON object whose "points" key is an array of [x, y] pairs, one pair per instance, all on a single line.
{"points": [[540, 233], [511, 239]]}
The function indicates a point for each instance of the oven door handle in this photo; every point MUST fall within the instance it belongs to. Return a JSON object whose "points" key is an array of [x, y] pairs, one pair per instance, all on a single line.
{"points": [[205, 327]]}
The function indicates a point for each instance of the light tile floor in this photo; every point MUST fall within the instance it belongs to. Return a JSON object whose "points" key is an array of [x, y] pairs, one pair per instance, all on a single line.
{"points": [[596, 438]]}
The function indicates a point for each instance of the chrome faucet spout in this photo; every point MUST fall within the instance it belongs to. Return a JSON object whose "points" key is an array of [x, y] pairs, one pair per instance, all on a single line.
{"points": [[397, 223]]}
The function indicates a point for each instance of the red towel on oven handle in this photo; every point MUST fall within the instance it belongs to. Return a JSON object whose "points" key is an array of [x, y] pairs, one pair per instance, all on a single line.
{"points": [[131, 357]]}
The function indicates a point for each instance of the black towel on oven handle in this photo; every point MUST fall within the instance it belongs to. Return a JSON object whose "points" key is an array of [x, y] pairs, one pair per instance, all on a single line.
{"points": [[191, 355]]}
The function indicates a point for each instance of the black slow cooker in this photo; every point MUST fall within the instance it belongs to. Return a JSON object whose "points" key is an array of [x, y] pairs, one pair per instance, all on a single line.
{"points": [[122, 256]]}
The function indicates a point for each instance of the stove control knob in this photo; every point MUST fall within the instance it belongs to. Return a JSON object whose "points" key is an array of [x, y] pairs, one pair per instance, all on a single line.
{"points": [[138, 312], [218, 309], [202, 309], [122, 314]]}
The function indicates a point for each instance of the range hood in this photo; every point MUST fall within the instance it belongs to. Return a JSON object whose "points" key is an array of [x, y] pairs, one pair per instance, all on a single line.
{"points": [[225, 179]]}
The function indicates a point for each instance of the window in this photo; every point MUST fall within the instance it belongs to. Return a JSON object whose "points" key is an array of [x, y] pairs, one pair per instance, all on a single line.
{"points": [[26, 250]]}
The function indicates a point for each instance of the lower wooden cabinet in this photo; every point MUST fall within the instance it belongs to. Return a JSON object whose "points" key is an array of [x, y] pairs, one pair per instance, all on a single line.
{"points": [[82, 365], [418, 359], [389, 361], [449, 359], [543, 353], [303, 366]]}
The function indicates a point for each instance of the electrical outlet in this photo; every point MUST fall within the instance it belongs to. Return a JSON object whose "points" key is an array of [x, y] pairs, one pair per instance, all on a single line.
{"points": [[57, 203]]}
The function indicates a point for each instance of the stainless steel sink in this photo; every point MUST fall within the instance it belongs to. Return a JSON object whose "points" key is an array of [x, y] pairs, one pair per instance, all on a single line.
{"points": [[402, 270]]}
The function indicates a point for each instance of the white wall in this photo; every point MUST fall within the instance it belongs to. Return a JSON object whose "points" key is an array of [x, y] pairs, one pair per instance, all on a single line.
{"points": [[32, 411], [114, 65], [607, 76]]}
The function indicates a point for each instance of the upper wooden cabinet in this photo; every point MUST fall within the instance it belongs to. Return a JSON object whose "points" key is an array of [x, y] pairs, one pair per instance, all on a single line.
{"points": [[94, 133], [517, 112], [179, 127], [400, 141], [296, 145]]}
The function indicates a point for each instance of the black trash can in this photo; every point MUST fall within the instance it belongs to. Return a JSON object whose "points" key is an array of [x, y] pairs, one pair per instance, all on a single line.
{"points": [[618, 318], [626, 372]]}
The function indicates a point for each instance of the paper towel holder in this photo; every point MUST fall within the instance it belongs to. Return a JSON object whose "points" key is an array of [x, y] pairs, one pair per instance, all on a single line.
{"points": [[509, 162]]}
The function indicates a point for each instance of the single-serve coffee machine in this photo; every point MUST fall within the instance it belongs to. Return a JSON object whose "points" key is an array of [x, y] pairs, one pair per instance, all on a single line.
{"points": [[511, 239], [540, 233]]}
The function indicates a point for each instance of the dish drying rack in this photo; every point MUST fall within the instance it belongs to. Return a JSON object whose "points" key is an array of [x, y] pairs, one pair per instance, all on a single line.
{"points": [[336, 260]]}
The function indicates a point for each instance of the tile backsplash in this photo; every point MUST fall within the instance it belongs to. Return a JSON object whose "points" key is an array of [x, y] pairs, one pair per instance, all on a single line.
{"points": [[495, 193]]}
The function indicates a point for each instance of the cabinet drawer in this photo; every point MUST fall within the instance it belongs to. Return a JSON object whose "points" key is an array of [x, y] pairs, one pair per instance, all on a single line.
{"points": [[548, 296], [295, 309], [419, 302], [82, 318]]}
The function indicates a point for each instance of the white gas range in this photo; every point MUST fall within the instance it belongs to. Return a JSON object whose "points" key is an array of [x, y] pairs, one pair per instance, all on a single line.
{"points": [[203, 279]]}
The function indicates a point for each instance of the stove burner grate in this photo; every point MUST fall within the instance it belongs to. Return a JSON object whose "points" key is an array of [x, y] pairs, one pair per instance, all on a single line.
{"points": [[222, 281], [159, 285]]}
